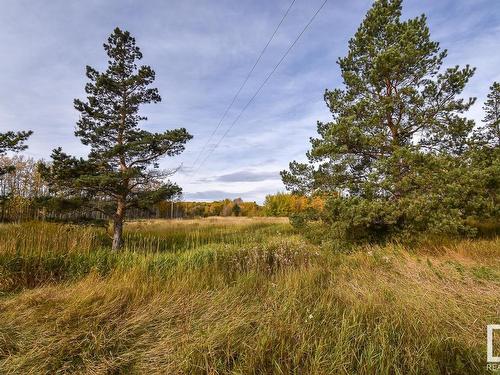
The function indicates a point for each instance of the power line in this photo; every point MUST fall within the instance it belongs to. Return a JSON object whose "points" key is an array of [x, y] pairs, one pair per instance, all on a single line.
{"points": [[263, 84], [244, 83]]}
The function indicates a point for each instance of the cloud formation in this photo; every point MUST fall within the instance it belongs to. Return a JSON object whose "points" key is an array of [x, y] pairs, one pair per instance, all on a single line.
{"points": [[210, 195], [246, 176], [201, 51]]}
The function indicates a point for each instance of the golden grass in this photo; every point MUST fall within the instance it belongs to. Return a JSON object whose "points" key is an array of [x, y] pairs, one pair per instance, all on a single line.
{"points": [[271, 304], [211, 220]]}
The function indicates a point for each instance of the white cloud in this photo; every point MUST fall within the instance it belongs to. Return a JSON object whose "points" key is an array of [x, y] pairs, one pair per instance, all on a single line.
{"points": [[201, 51]]}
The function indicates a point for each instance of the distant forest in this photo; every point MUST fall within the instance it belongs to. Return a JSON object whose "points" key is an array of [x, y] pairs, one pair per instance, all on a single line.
{"points": [[25, 196]]}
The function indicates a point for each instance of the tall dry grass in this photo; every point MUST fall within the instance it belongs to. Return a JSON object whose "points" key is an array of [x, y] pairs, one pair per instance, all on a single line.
{"points": [[272, 303]]}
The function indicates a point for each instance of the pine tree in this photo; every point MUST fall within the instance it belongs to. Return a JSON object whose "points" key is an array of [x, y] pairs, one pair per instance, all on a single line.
{"points": [[491, 129], [398, 107], [480, 174], [118, 166], [12, 141]]}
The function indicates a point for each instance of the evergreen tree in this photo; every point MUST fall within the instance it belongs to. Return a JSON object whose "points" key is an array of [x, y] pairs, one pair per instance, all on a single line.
{"points": [[236, 209], [491, 129], [12, 141], [480, 172], [397, 119], [118, 166]]}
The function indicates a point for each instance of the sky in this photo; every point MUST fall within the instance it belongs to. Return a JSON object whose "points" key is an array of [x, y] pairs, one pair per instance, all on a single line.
{"points": [[202, 51]]}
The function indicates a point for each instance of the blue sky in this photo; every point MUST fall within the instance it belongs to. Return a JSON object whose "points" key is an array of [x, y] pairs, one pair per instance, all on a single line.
{"points": [[201, 51]]}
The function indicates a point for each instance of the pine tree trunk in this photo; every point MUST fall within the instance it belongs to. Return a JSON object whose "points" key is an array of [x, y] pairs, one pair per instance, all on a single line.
{"points": [[118, 226]]}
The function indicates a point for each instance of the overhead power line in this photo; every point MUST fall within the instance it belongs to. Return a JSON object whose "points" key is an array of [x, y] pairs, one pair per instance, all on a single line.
{"points": [[244, 83], [263, 83]]}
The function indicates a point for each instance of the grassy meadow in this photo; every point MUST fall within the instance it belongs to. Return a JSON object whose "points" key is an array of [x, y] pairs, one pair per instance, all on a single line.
{"points": [[239, 296]]}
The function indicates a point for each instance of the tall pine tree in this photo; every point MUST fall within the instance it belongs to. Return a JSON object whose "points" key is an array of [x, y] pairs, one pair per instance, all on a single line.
{"points": [[398, 108], [118, 167]]}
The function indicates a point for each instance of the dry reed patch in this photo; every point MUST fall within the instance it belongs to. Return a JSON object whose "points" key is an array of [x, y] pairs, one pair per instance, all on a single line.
{"points": [[423, 291], [208, 221], [38, 238], [337, 314], [265, 301]]}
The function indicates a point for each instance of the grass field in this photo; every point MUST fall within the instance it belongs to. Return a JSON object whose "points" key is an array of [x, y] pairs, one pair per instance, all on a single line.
{"points": [[239, 296]]}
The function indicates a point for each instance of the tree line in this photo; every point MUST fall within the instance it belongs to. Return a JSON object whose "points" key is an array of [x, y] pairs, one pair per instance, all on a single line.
{"points": [[225, 207], [25, 196]]}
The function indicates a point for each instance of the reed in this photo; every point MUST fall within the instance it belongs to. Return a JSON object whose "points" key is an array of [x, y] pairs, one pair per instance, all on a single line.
{"points": [[240, 298]]}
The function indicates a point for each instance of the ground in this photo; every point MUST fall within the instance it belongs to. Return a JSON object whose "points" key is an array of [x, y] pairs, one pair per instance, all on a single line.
{"points": [[240, 296]]}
